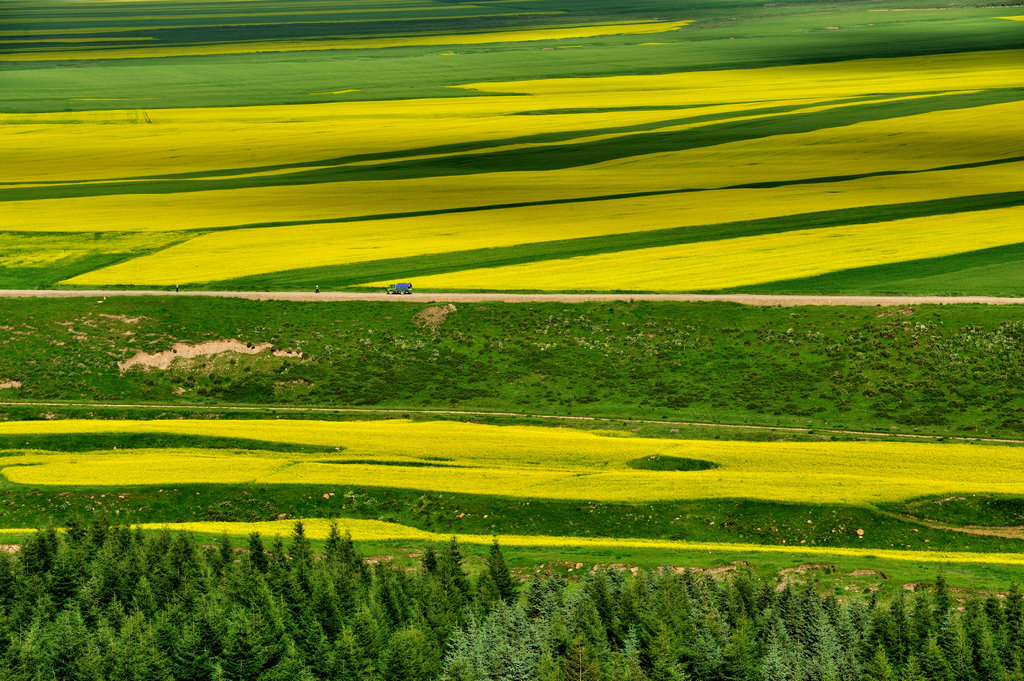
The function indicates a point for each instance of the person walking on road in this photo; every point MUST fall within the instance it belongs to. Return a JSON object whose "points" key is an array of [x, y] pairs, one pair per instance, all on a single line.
{"points": [[318, 288]]}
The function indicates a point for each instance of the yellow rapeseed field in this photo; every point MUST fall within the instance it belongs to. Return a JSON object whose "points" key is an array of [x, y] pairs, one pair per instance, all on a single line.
{"points": [[234, 253], [374, 530], [521, 35], [270, 143], [752, 260], [43, 250], [860, 77], [523, 461]]}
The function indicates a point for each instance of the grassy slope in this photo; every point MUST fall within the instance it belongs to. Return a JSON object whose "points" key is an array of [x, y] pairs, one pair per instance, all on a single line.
{"points": [[845, 367], [729, 520], [946, 371], [491, 356]]}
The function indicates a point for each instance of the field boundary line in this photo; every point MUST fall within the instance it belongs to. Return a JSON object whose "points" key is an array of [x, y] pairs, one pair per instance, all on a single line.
{"points": [[764, 300], [511, 414]]}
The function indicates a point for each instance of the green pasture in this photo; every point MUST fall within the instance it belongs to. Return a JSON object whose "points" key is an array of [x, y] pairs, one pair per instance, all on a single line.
{"points": [[723, 35], [938, 370]]}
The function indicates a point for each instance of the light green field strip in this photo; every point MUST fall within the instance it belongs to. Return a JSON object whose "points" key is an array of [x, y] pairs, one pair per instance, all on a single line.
{"points": [[527, 35], [16, 41], [93, 12], [374, 530], [147, 27], [12, 18], [524, 462]]}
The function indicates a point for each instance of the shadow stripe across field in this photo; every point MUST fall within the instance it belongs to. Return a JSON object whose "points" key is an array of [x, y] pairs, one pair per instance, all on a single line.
{"points": [[550, 156]]}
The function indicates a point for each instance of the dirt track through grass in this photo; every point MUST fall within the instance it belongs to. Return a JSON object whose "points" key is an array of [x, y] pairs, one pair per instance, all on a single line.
{"points": [[421, 297]]}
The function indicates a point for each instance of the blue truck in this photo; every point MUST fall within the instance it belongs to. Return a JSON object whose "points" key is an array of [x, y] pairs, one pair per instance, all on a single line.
{"points": [[399, 289]]}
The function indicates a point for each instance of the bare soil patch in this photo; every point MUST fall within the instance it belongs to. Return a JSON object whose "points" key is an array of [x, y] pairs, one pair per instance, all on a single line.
{"points": [[122, 318], [163, 360], [432, 317], [800, 569], [865, 572], [1013, 532], [9, 385]]}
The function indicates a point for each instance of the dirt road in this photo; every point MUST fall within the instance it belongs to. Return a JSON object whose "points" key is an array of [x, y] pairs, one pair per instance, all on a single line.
{"points": [[426, 297]]}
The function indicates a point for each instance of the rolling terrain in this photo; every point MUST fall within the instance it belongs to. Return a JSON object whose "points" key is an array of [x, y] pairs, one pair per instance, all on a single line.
{"points": [[660, 431], [553, 146], [504, 146]]}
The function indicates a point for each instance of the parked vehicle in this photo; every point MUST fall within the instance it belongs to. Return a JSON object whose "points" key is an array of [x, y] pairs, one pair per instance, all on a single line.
{"points": [[399, 289]]}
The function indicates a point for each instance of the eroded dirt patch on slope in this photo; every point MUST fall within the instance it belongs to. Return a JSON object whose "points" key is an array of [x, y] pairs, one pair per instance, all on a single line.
{"points": [[432, 317], [163, 360]]}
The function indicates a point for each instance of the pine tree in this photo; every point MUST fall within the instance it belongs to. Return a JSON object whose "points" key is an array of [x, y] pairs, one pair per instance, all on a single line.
{"points": [[535, 597], [933, 662], [664, 654], [508, 645], [135, 656], [496, 582], [412, 657], [878, 667], [774, 666], [253, 643], [350, 661], [225, 554], [429, 561], [463, 661], [144, 600], [943, 599], [625, 663], [332, 546], [1015, 621], [913, 671], [302, 552], [66, 575], [64, 643], [28, 655], [579, 663], [707, 663], [257, 553], [451, 576], [828, 656], [739, 657], [547, 668], [288, 668], [189, 657], [987, 664], [956, 647]]}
